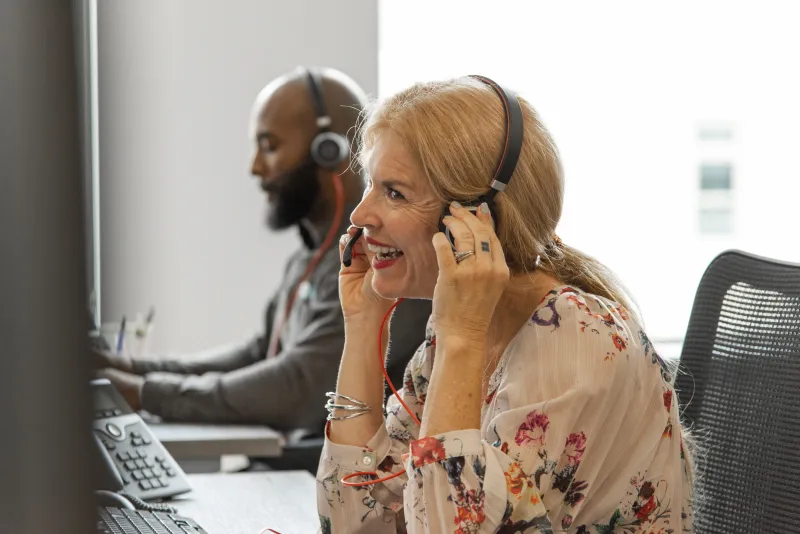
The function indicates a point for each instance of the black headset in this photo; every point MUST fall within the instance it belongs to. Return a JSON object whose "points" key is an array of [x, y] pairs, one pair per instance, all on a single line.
{"points": [[328, 149], [512, 146], [508, 158]]}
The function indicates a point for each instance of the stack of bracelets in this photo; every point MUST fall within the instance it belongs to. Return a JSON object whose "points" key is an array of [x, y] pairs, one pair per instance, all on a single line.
{"points": [[354, 409]]}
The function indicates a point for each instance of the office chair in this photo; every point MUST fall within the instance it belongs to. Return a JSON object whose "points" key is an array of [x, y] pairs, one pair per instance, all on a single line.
{"points": [[739, 389]]}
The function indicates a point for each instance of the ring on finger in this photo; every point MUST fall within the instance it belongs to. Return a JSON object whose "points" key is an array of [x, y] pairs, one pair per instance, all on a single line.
{"points": [[461, 256]]}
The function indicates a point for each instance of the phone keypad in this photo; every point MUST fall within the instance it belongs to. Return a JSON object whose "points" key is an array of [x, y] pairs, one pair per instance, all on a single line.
{"points": [[136, 465]]}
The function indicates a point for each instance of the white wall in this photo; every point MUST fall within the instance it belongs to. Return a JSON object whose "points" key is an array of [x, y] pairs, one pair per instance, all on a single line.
{"points": [[181, 219], [624, 86]]}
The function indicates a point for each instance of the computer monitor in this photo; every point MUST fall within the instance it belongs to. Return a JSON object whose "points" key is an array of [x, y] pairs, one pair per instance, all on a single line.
{"points": [[46, 460], [86, 42]]}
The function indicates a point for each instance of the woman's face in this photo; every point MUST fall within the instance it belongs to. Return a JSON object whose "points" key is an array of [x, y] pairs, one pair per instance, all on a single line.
{"points": [[400, 215]]}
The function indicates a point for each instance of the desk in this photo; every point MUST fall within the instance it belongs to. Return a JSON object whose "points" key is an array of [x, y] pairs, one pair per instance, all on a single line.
{"points": [[245, 503], [199, 447]]}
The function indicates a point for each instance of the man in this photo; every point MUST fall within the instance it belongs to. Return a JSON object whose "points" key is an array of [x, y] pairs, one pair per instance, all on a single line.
{"points": [[280, 378]]}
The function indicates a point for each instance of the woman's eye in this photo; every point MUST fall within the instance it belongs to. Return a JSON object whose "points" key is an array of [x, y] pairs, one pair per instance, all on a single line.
{"points": [[394, 194]]}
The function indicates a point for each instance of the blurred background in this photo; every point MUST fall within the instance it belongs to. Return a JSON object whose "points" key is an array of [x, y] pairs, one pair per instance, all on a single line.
{"points": [[677, 124]]}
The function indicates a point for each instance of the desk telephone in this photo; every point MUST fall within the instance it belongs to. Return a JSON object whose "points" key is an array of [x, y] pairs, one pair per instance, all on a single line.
{"points": [[134, 461]]}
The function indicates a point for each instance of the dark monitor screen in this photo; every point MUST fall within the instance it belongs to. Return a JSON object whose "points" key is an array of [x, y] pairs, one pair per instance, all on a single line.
{"points": [[47, 465]]}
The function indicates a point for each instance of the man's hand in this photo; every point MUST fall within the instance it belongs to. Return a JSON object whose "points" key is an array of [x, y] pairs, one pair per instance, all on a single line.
{"points": [[106, 360], [129, 385]]}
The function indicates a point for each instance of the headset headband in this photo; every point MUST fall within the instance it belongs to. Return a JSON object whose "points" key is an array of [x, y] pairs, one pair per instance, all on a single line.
{"points": [[514, 136], [315, 88]]}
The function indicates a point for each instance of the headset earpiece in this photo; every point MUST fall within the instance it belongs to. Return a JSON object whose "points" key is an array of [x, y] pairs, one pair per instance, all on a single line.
{"points": [[514, 133], [471, 206], [328, 149]]}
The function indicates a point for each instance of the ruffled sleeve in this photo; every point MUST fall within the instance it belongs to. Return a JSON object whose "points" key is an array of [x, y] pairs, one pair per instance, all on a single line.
{"points": [[375, 508]]}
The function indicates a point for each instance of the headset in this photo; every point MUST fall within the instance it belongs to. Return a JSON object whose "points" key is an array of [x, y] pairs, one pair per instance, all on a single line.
{"points": [[512, 146], [328, 149]]}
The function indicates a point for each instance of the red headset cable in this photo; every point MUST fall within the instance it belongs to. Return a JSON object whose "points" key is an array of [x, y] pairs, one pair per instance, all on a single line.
{"points": [[337, 217], [339, 208], [394, 392], [374, 474], [329, 239]]}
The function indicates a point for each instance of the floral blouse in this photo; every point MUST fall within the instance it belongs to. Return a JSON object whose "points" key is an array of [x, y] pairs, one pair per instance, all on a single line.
{"points": [[579, 433]]}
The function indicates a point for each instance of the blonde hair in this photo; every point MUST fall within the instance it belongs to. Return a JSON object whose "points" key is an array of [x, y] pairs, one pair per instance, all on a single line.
{"points": [[455, 130]]}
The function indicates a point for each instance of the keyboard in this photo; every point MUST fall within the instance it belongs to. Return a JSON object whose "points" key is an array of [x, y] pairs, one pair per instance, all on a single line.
{"points": [[112, 520]]}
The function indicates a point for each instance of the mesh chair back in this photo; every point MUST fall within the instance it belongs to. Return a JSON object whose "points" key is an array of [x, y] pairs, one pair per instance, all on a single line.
{"points": [[740, 392]]}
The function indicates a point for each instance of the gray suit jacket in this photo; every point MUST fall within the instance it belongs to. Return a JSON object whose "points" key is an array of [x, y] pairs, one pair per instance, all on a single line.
{"points": [[286, 392]]}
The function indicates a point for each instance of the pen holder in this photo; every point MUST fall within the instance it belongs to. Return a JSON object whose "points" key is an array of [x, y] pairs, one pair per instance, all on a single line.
{"points": [[135, 341]]}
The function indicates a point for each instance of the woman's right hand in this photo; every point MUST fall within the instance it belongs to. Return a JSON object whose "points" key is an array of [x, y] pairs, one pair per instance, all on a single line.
{"points": [[359, 301]]}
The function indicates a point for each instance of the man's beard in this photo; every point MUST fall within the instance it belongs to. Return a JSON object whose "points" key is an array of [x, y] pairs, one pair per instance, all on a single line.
{"points": [[294, 194]]}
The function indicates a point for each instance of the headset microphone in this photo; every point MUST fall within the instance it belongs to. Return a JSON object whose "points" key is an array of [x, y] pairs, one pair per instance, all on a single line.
{"points": [[347, 255]]}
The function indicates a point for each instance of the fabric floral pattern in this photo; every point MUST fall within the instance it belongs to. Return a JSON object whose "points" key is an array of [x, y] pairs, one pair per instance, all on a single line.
{"points": [[533, 430], [645, 509], [427, 450], [576, 444], [568, 440], [469, 502]]}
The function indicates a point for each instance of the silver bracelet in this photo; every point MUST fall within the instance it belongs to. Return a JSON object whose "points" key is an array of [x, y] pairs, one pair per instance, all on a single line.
{"points": [[357, 406], [349, 407], [332, 395], [332, 417]]}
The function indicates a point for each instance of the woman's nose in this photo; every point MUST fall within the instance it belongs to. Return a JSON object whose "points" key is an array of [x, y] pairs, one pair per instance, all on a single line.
{"points": [[365, 214]]}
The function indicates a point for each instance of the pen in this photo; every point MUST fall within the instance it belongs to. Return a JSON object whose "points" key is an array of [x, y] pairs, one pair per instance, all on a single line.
{"points": [[121, 336]]}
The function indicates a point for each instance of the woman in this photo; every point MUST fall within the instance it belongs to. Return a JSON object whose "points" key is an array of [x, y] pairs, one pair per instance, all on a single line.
{"points": [[543, 406]]}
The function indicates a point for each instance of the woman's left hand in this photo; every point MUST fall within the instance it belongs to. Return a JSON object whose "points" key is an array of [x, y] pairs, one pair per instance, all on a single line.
{"points": [[467, 293]]}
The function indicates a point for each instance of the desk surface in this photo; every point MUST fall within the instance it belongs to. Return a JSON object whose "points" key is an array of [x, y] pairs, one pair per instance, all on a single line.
{"points": [[201, 441], [246, 503]]}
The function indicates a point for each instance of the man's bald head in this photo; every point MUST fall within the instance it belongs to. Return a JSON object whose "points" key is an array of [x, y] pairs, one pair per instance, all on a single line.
{"points": [[283, 125], [288, 100]]}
